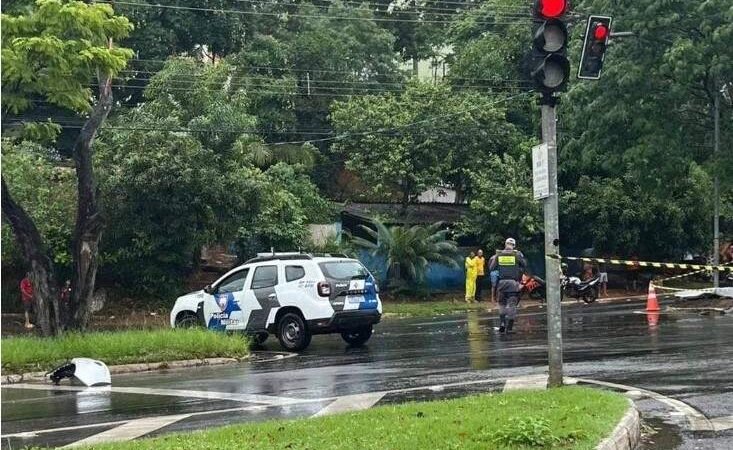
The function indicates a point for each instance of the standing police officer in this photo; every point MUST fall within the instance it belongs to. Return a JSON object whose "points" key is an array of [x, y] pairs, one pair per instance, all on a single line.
{"points": [[511, 265]]}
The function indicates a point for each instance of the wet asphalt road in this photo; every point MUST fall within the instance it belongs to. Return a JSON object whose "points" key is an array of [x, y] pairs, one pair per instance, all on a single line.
{"points": [[686, 357]]}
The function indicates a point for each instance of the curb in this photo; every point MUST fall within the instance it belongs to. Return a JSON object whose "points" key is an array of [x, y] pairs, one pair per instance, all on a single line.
{"points": [[701, 310], [627, 434], [130, 368]]}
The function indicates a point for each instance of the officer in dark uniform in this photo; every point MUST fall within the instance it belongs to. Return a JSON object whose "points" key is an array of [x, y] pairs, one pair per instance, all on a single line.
{"points": [[511, 265]]}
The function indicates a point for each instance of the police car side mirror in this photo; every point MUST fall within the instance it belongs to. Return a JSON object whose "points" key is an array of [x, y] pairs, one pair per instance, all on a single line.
{"points": [[208, 289]]}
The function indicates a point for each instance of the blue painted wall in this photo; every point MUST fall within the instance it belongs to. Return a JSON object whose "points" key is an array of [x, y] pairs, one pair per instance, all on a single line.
{"points": [[443, 278]]}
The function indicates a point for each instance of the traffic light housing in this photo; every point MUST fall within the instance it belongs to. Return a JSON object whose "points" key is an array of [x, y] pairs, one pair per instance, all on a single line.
{"points": [[550, 66], [597, 34]]}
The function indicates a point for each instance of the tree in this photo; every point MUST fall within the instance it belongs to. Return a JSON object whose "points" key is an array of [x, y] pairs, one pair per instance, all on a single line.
{"points": [[502, 204], [290, 202], [648, 122], [52, 53], [424, 137], [408, 250], [167, 195]]}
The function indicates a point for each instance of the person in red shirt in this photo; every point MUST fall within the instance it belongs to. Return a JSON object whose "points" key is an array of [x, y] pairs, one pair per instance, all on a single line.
{"points": [[26, 295]]}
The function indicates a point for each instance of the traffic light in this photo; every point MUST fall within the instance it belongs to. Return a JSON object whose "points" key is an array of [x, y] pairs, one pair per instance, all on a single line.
{"points": [[594, 47], [550, 66]]}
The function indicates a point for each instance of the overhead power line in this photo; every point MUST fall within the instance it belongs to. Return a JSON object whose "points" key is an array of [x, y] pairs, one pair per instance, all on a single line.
{"points": [[385, 130], [296, 142], [306, 16]]}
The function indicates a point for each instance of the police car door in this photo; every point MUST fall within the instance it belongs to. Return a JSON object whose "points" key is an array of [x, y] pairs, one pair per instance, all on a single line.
{"points": [[224, 310], [261, 296]]}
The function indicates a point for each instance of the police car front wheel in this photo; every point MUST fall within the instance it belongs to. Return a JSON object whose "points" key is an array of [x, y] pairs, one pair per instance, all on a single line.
{"points": [[293, 333], [357, 337]]}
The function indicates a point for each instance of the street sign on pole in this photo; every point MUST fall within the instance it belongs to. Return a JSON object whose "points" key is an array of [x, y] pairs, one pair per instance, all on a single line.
{"points": [[540, 171]]}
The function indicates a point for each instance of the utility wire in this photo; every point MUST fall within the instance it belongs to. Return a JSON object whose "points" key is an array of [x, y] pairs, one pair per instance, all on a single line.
{"points": [[306, 16], [299, 142], [201, 76], [384, 130]]}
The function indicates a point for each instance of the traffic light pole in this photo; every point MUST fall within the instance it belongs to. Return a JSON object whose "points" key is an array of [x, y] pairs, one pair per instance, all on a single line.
{"points": [[552, 236], [716, 193]]}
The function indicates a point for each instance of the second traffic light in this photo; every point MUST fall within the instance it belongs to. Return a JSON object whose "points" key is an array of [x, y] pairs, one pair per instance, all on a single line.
{"points": [[550, 66], [594, 47]]}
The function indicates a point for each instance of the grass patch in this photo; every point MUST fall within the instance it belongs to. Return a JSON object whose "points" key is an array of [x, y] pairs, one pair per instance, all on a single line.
{"points": [[432, 307], [29, 354], [566, 418]]}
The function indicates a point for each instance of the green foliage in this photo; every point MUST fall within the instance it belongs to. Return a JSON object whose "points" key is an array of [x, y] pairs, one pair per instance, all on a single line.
{"points": [[408, 250], [180, 171], [31, 354], [640, 139], [290, 201], [407, 143], [503, 204], [530, 432], [56, 50], [48, 193], [627, 219], [166, 195]]}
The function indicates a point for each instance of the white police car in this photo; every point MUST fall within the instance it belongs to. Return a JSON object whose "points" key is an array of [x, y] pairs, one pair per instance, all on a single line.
{"points": [[293, 296]]}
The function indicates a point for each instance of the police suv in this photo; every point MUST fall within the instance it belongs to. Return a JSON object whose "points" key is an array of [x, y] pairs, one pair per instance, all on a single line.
{"points": [[291, 295]]}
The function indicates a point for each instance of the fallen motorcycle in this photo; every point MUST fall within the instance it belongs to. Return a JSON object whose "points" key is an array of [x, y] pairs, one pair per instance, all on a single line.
{"points": [[534, 286]]}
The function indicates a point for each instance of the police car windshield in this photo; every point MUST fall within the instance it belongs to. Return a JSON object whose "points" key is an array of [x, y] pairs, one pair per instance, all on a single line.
{"points": [[343, 270]]}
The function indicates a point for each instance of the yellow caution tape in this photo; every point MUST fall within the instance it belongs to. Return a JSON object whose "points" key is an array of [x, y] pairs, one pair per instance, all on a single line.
{"points": [[633, 263]]}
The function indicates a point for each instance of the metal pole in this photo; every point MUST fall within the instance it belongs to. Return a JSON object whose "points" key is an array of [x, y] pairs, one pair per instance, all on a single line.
{"points": [[552, 235], [716, 195]]}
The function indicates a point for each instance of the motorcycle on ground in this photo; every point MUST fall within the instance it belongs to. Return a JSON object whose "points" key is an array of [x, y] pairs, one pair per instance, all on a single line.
{"points": [[534, 286]]}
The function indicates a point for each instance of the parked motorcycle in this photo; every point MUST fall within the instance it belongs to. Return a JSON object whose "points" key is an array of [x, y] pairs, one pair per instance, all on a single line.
{"points": [[573, 287], [534, 286]]}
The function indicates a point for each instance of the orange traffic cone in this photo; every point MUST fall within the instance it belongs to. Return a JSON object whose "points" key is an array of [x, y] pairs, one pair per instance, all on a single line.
{"points": [[652, 319], [651, 300]]}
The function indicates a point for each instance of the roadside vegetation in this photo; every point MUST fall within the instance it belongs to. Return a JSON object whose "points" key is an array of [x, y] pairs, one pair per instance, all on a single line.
{"points": [[567, 418], [30, 354]]}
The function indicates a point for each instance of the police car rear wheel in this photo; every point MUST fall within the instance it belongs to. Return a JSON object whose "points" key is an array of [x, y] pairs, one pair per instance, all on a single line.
{"points": [[357, 337], [293, 333]]}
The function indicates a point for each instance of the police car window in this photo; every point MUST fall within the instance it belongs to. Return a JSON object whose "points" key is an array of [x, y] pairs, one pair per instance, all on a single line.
{"points": [[265, 276], [293, 273], [233, 283], [343, 270]]}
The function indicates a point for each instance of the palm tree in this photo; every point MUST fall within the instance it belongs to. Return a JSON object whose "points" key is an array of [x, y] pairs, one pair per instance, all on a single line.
{"points": [[264, 155], [409, 250]]}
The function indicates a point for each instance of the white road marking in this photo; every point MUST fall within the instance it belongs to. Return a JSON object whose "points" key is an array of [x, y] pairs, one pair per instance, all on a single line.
{"points": [[208, 395], [696, 419], [350, 403], [131, 430], [722, 423], [29, 434], [526, 382]]}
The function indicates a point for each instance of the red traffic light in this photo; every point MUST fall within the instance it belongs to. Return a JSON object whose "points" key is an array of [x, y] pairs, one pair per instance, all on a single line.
{"points": [[551, 9], [600, 33]]}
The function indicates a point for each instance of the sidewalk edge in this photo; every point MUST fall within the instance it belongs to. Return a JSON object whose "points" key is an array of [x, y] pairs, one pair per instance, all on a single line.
{"points": [[130, 368], [627, 434]]}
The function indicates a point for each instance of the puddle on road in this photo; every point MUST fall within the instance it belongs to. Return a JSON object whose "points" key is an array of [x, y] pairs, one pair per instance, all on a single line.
{"points": [[656, 434]]}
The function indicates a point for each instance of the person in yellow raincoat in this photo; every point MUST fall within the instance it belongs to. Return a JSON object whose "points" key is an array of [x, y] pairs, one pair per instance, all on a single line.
{"points": [[471, 273]]}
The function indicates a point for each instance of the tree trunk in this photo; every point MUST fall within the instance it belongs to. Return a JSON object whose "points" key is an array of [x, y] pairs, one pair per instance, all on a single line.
{"points": [[89, 224], [45, 289]]}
